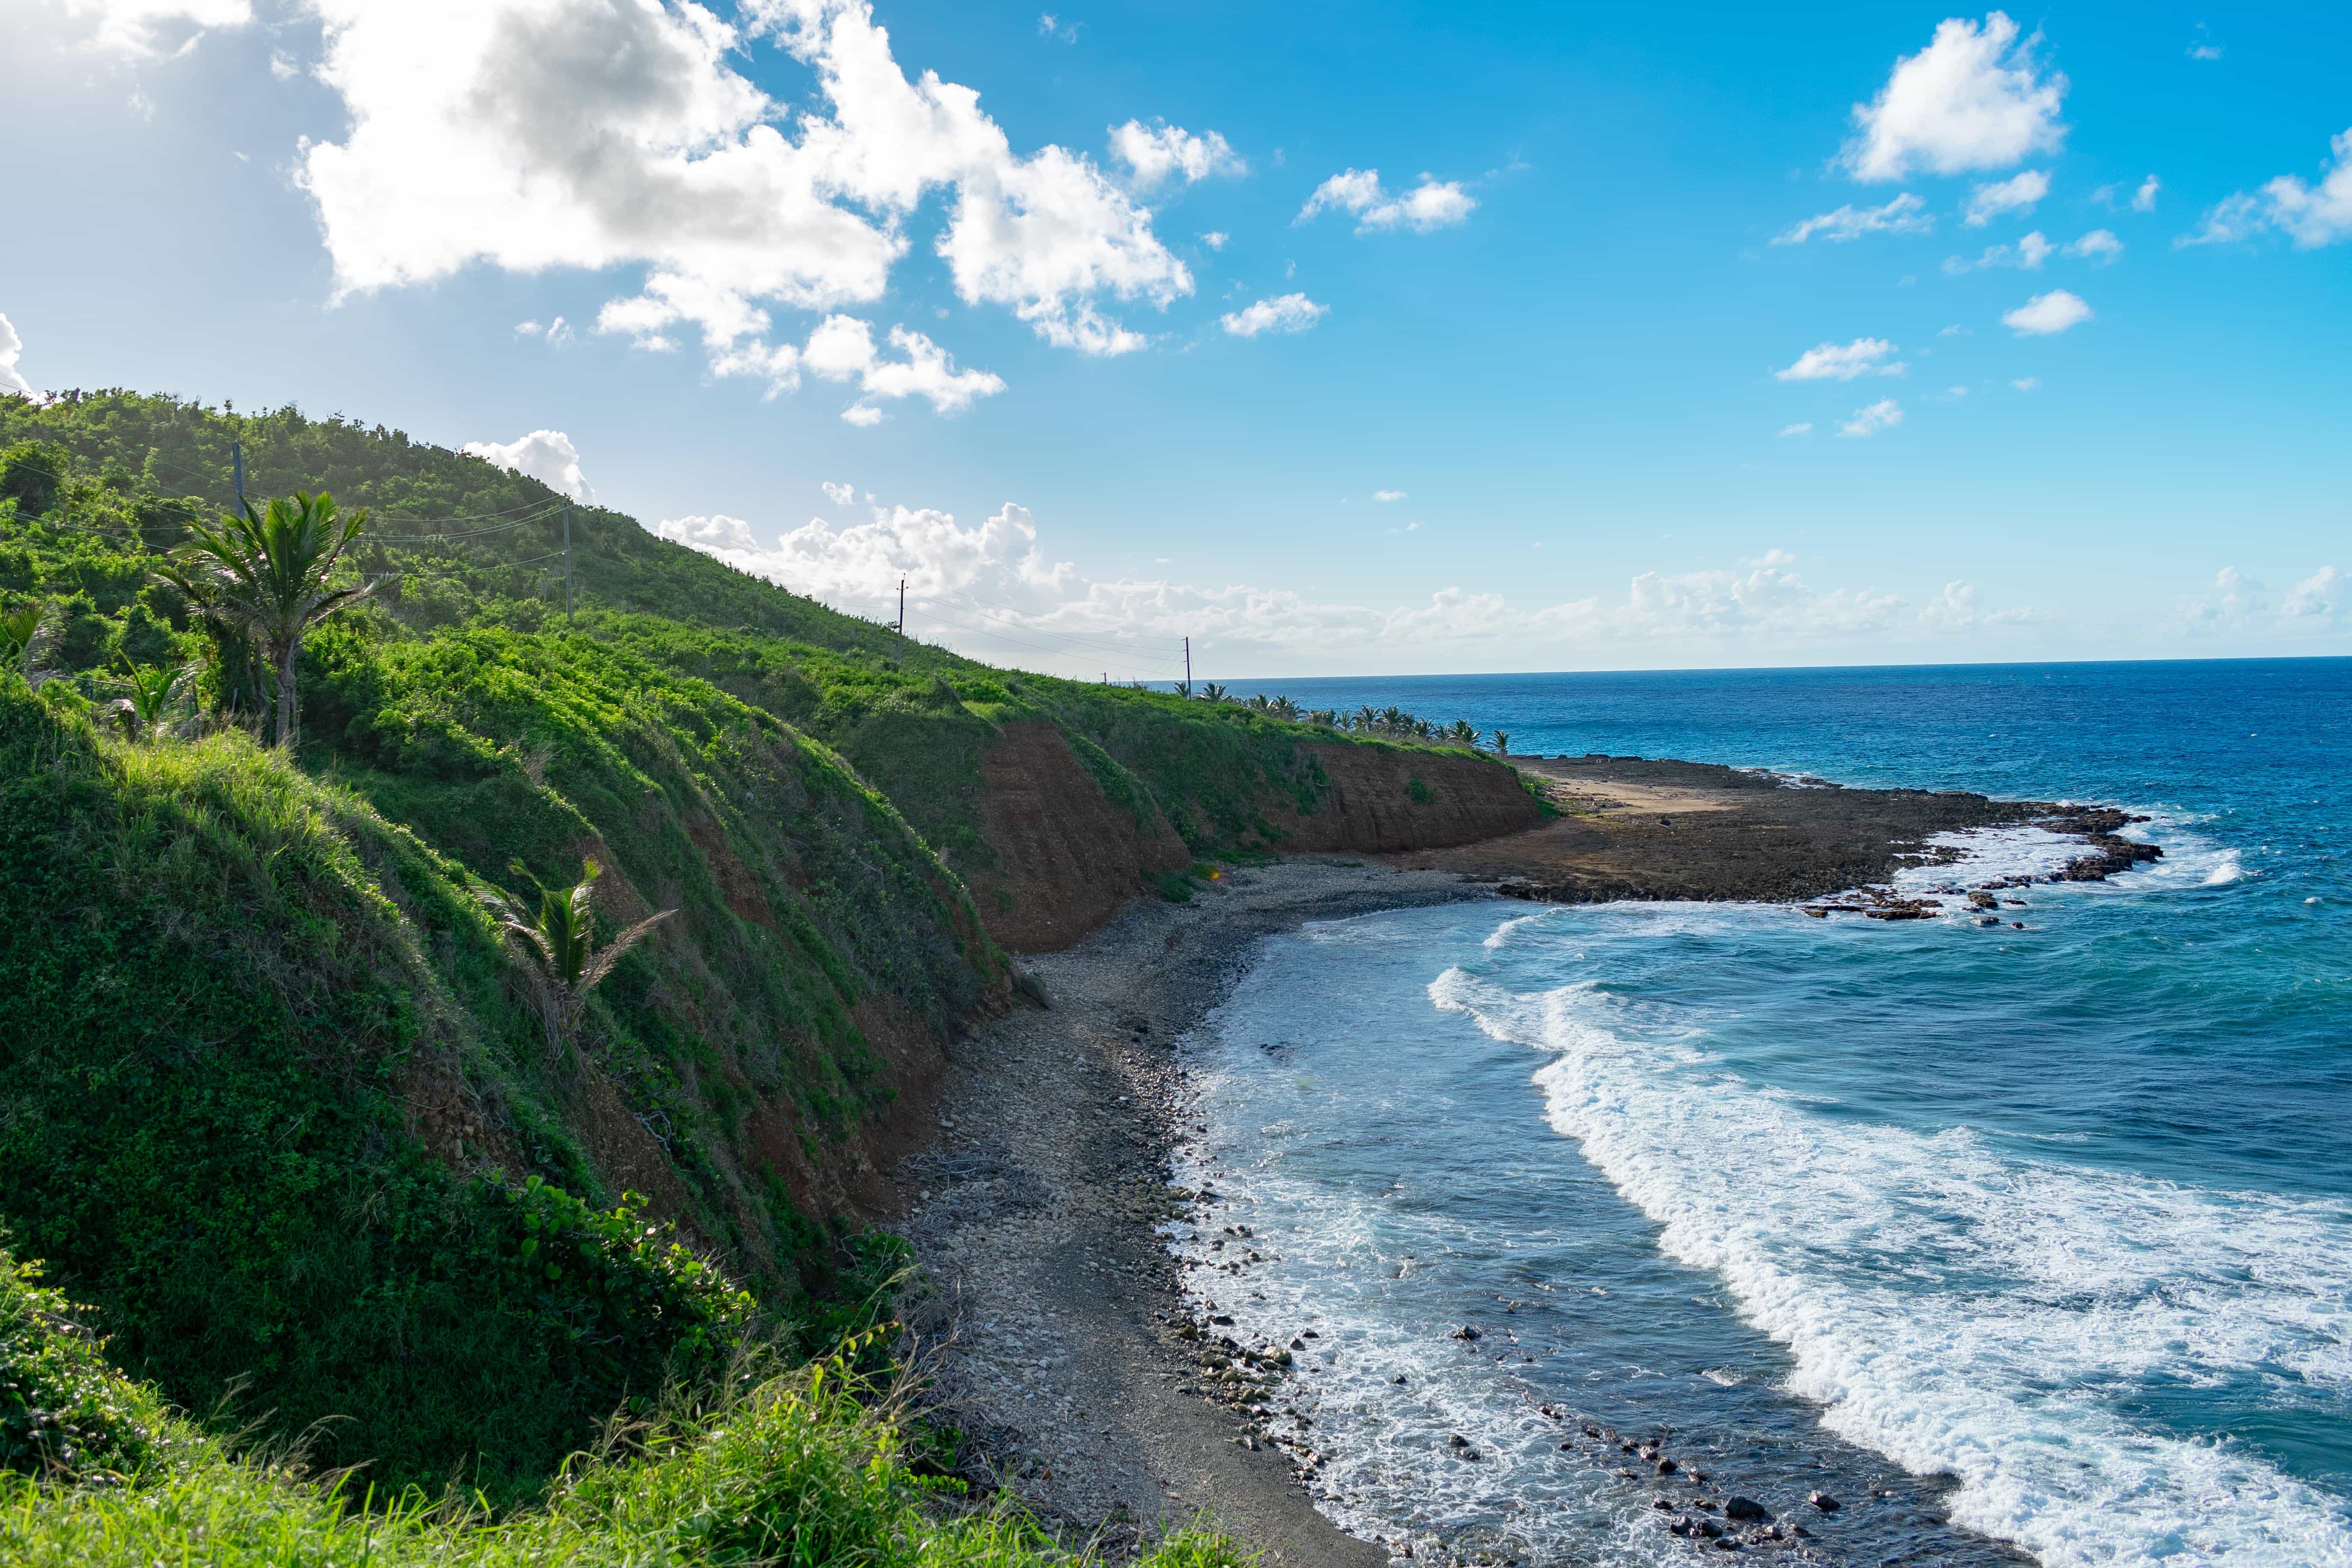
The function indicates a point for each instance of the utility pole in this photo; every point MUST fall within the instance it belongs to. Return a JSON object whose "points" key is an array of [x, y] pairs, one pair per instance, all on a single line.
{"points": [[902, 606], [237, 465], [1188, 667], [567, 564]]}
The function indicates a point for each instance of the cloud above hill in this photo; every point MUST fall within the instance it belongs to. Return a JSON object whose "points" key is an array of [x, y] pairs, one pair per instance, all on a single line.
{"points": [[599, 134]]}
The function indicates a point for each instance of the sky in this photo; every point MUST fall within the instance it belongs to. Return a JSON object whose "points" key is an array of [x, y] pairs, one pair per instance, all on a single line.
{"points": [[1367, 338]]}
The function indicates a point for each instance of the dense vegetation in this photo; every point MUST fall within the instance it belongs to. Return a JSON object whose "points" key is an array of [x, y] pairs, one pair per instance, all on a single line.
{"points": [[276, 1101], [805, 1465]]}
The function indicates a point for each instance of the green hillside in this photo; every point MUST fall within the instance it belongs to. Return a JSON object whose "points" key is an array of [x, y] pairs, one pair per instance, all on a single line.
{"points": [[277, 1104]]}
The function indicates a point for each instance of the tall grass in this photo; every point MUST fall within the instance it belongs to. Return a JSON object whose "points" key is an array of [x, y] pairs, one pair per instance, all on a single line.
{"points": [[802, 1468]]}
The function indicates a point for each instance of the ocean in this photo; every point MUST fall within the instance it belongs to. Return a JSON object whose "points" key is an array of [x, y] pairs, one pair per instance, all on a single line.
{"points": [[2020, 1244]]}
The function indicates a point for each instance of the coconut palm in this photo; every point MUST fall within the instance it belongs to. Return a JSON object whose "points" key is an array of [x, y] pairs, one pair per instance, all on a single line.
{"points": [[1461, 733], [1366, 718], [557, 945], [145, 695], [267, 573], [1503, 742], [1212, 692], [1284, 708]]}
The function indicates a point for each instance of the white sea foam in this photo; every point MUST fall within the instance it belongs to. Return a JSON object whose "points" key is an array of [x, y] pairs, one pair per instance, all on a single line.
{"points": [[1962, 1310], [2230, 868]]}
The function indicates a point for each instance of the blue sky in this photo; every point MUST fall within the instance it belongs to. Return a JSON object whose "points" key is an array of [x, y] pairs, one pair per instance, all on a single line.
{"points": [[1542, 276]]}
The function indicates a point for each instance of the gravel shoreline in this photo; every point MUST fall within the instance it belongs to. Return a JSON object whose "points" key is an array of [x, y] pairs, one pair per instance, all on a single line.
{"points": [[1052, 1321]]}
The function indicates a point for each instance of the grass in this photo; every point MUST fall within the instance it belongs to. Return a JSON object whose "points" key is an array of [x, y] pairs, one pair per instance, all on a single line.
{"points": [[799, 1466]]}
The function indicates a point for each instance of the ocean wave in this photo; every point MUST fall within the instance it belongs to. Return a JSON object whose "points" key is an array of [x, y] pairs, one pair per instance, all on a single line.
{"points": [[1964, 1311]]}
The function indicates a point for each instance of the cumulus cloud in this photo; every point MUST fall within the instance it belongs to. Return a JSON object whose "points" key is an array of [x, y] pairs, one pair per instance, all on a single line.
{"points": [[547, 456], [2021, 193], [556, 334], [2028, 253], [2047, 313], [1883, 415], [11, 345], [1157, 151], [1215, 239], [149, 28], [2310, 216], [618, 133], [1973, 99], [1906, 214], [971, 585], [839, 495], [2144, 199], [2099, 244], [1844, 361], [2322, 595], [1388, 495], [1283, 313], [1428, 206]]}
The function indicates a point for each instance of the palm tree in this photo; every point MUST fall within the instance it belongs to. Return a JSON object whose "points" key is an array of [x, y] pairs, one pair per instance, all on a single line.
{"points": [[1284, 708], [26, 636], [145, 695], [1327, 718], [1461, 733], [1502, 742], [1212, 692], [266, 573], [1368, 719], [557, 945]]}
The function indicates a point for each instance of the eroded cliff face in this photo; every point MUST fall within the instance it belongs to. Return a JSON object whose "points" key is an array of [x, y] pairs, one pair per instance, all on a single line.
{"points": [[1379, 800], [1067, 855]]}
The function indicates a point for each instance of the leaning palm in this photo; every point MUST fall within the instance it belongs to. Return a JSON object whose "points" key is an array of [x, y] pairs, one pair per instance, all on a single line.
{"points": [[557, 945], [145, 695], [266, 572]]}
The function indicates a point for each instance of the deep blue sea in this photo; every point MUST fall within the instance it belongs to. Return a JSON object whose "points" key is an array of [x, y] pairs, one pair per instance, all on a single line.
{"points": [[2034, 1236]]}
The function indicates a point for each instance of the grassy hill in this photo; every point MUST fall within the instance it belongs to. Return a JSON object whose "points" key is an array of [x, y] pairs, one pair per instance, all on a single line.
{"points": [[274, 1100]]}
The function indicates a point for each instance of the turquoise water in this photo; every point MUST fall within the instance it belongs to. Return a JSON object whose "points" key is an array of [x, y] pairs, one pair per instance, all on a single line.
{"points": [[2044, 1231]]}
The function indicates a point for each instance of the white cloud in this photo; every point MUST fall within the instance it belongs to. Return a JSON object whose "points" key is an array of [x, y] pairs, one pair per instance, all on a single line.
{"points": [[1052, 26], [2202, 50], [282, 66], [1844, 361], [1958, 609], [1954, 330], [1428, 206], [534, 134], [2099, 244], [1882, 414], [1389, 495], [865, 416], [839, 495], [856, 561], [1804, 429], [147, 27], [547, 456], [1906, 214], [2311, 216], [2028, 253], [557, 334], [2144, 198], [2323, 595], [11, 345], [965, 584], [2021, 193], [2027, 384], [1973, 99], [1283, 313], [1156, 151], [842, 348], [1215, 239], [2046, 313]]}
